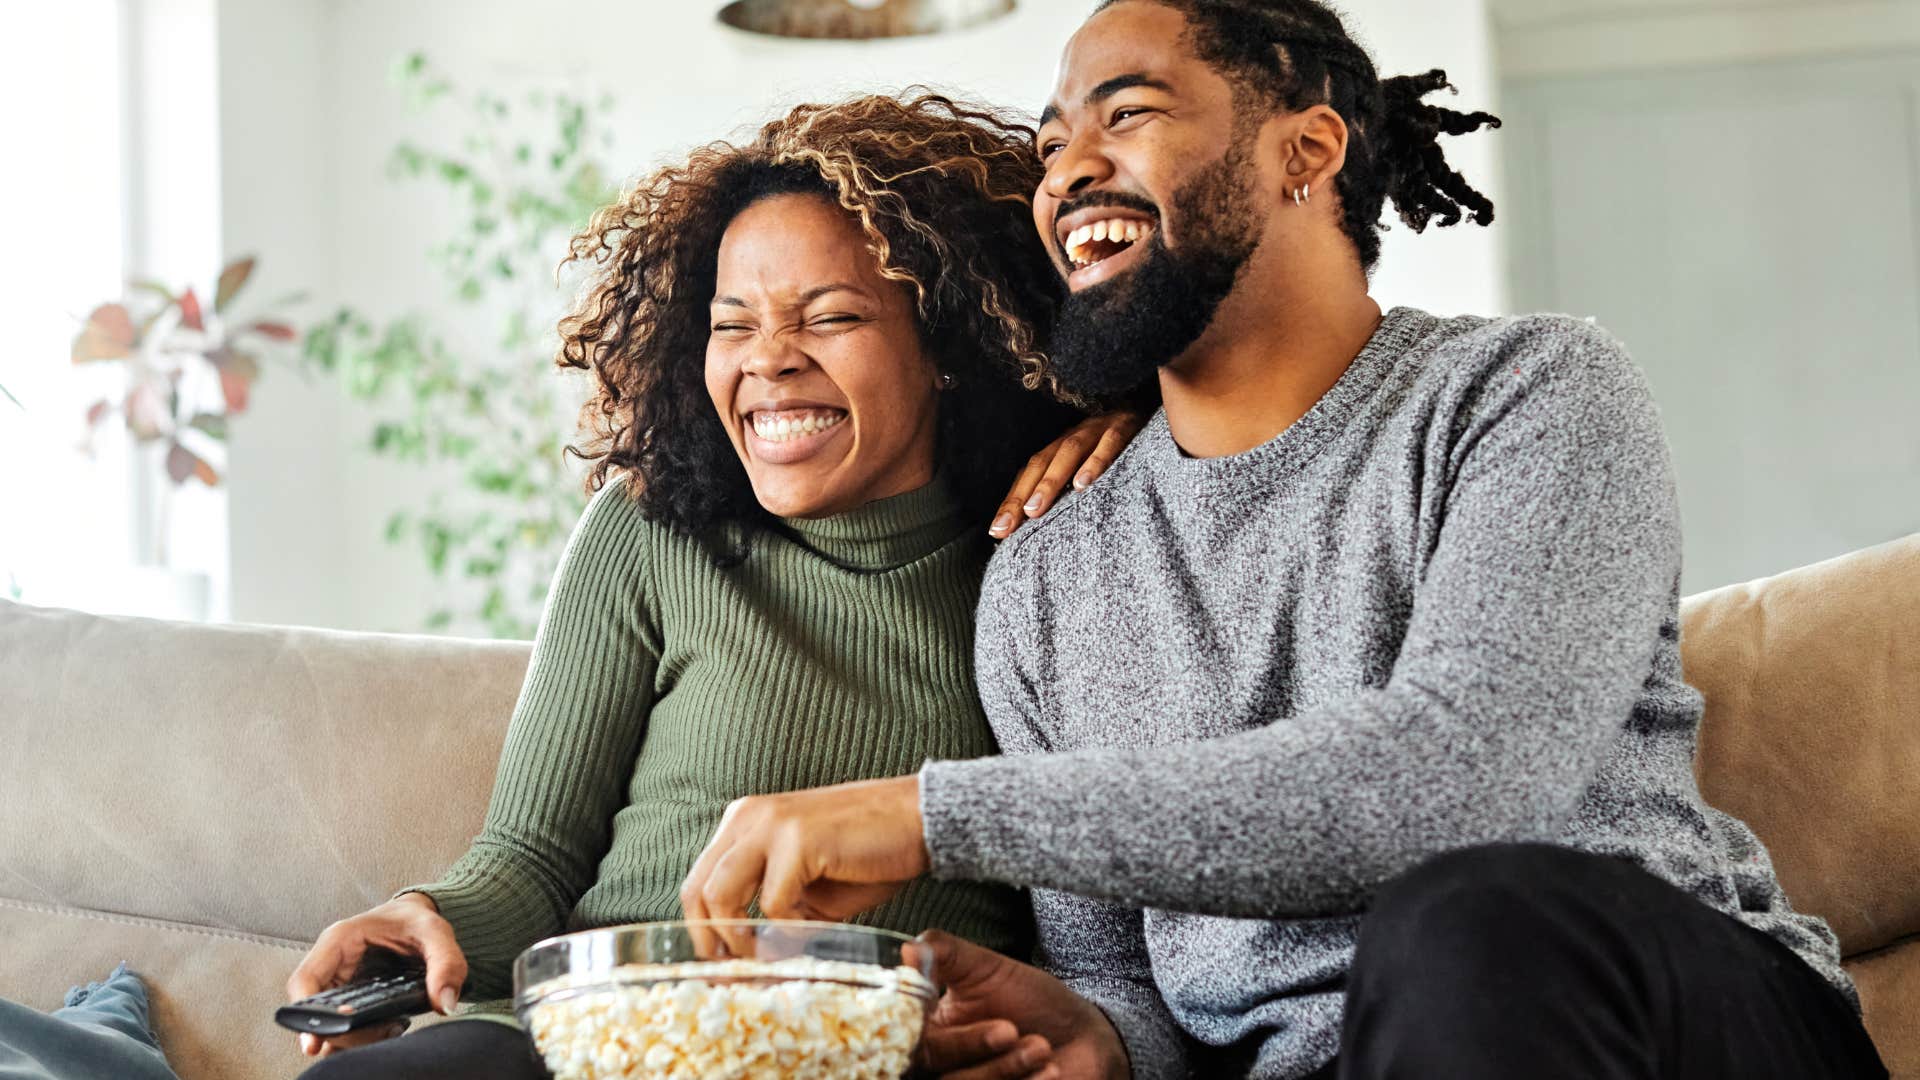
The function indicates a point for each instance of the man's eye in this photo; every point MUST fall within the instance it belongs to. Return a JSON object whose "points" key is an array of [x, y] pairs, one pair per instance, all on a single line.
{"points": [[1122, 115]]}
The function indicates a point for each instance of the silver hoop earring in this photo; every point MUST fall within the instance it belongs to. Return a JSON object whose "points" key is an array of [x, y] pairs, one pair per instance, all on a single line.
{"points": [[1307, 194], [1296, 197]]}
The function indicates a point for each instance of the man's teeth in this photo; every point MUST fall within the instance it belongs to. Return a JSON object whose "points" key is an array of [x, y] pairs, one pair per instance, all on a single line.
{"points": [[781, 427], [1122, 231]]}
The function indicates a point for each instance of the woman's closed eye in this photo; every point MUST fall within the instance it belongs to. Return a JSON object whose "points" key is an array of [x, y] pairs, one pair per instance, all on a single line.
{"points": [[838, 321]]}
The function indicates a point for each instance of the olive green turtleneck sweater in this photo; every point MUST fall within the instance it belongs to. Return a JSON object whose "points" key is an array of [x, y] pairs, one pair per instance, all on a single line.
{"points": [[662, 688]]}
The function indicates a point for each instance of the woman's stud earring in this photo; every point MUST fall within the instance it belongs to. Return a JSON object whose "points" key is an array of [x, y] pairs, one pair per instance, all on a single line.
{"points": [[947, 381]]}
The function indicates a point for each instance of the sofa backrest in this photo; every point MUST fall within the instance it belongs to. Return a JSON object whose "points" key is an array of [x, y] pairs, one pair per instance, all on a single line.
{"points": [[203, 800], [1812, 731], [1812, 737]]}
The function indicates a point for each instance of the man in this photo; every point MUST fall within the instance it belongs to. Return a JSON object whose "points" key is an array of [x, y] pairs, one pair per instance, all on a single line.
{"points": [[1345, 724]]}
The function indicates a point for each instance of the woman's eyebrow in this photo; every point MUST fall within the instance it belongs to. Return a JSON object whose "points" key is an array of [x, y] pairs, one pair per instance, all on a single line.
{"points": [[806, 298]]}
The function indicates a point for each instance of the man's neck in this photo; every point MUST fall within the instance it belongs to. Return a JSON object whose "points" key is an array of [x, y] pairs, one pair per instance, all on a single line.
{"points": [[1268, 356]]}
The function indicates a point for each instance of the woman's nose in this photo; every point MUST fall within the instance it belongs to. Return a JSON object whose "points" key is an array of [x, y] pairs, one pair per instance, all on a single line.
{"points": [[772, 356]]}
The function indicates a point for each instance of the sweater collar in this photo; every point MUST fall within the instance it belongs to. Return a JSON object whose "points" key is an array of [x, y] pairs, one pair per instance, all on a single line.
{"points": [[887, 533], [1293, 447]]}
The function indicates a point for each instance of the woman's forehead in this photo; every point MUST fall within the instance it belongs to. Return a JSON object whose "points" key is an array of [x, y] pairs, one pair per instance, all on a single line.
{"points": [[795, 245]]}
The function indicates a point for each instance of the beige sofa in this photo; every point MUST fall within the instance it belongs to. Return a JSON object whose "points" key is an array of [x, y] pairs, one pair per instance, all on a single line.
{"points": [[202, 800]]}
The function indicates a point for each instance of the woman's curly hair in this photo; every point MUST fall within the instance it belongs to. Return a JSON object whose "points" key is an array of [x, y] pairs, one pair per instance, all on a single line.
{"points": [[943, 191]]}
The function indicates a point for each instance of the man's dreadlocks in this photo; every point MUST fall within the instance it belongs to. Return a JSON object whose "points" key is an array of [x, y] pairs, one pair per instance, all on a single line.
{"points": [[1294, 54]]}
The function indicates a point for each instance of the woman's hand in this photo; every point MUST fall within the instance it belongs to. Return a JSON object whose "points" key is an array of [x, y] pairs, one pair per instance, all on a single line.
{"points": [[409, 925], [1082, 454]]}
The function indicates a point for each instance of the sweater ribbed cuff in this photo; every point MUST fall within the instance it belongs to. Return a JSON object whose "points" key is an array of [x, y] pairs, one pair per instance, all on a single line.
{"points": [[492, 911]]}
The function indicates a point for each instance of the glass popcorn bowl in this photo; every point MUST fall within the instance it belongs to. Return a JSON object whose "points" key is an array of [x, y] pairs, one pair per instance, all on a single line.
{"points": [[748, 999]]}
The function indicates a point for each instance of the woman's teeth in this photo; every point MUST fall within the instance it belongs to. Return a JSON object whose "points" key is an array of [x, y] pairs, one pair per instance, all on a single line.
{"points": [[1101, 240], [784, 426]]}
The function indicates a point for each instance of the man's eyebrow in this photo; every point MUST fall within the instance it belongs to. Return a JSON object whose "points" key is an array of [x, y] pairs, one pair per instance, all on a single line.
{"points": [[806, 298], [1109, 88]]}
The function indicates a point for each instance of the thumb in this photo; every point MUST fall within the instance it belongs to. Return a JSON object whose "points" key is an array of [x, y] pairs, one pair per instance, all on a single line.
{"points": [[446, 964], [957, 962]]}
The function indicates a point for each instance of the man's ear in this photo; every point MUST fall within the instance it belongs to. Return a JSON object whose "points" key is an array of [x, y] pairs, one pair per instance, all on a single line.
{"points": [[1316, 148]]}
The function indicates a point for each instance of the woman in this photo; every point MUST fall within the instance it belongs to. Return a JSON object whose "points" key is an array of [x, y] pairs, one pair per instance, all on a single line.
{"points": [[773, 587]]}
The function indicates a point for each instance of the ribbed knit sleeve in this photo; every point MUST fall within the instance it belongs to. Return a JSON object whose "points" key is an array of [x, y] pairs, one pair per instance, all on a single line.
{"points": [[569, 752]]}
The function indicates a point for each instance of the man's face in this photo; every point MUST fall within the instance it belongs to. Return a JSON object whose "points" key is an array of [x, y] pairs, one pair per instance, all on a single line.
{"points": [[1150, 204]]}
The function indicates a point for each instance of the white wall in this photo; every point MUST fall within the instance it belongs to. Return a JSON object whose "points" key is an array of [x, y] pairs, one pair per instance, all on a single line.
{"points": [[310, 117], [1551, 38], [1656, 186]]}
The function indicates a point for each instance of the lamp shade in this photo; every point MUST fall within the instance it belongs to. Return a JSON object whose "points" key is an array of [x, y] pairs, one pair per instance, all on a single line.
{"points": [[859, 19]]}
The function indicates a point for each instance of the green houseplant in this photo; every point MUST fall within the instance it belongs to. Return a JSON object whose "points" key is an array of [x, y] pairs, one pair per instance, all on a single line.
{"points": [[492, 415], [190, 369]]}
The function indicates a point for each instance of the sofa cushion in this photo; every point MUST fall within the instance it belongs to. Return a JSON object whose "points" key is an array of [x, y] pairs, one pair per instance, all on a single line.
{"points": [[1812, 731], [261, 779], [1889, 981]]}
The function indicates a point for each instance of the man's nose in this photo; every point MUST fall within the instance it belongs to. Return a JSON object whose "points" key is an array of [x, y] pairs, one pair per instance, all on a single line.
{"points": [[1076, 167]]}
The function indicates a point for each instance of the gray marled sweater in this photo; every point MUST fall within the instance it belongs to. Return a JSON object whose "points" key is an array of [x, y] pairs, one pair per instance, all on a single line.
{"points": [[1238, 694]]}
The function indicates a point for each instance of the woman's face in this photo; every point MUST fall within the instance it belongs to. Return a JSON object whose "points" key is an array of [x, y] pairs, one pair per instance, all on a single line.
{"points": [[814, 362]]}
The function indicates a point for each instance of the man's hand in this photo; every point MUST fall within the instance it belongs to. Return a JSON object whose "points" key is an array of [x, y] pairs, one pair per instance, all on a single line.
{"points": [[828, 854], [1063, 1034]]}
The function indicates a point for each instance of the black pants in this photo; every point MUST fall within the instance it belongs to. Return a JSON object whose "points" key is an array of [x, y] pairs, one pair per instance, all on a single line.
{"points": [[467, 1050], [1534, 961]]}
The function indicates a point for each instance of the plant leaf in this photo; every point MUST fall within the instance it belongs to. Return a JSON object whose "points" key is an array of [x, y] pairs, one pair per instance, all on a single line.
{"points": [[231, 279], [146, 413], [213, 424], [157, 288], [108, 335], [179, 463], [96, 412], [182, 463], [278, 331], [234, 387], [190, 311]]}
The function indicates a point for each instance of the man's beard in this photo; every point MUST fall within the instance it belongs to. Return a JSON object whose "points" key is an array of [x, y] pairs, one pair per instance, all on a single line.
{"points": [[1112, 338]]}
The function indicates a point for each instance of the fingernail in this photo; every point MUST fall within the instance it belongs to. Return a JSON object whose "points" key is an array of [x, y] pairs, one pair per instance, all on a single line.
{"points": [[1002, 523], [449, 998], [306, 1044], [1080, 482], [1033, 504]]}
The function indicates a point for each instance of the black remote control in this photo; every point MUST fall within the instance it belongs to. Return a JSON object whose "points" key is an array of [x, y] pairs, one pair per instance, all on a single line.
{"points": [[387, 990]]}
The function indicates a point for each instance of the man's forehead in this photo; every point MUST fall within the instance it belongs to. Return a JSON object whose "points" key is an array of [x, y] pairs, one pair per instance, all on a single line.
{"points": [[1132, 38]]}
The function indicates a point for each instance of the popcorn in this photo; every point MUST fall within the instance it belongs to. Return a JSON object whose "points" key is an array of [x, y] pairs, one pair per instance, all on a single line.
{"points": [[796, 1019]]}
